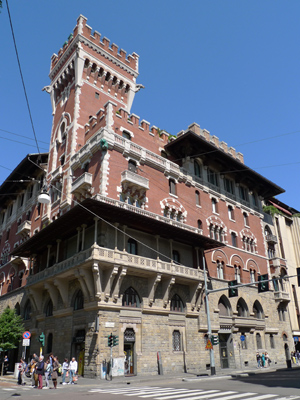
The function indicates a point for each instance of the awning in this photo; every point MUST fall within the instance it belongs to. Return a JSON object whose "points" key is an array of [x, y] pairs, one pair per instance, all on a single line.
{"points": [[280, 208]]}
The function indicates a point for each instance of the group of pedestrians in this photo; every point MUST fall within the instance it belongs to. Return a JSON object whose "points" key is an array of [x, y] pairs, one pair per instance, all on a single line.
{"points": [[49, 368], [295, 357], [263, 360]]}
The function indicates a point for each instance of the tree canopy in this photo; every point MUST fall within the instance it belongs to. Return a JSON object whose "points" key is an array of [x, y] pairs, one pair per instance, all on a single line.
{"points": [[11, 329]]}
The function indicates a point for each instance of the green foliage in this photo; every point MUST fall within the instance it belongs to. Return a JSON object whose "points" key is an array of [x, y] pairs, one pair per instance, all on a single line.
{"points": [[272, 210], [11, 329]]}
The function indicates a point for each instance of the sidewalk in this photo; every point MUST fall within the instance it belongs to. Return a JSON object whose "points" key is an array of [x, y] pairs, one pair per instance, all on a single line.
{"points": [[186, 377]]}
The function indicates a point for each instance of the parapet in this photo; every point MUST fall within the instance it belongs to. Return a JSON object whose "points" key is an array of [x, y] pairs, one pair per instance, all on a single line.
{"points": [[213, 140], [83, 29]]}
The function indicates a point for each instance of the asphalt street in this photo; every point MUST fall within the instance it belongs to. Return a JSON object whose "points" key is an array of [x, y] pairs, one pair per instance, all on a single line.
{"points": [[273, 385]]}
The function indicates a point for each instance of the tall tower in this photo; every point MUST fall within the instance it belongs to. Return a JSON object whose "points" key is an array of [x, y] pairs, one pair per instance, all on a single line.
{"points": [[86, 73]]}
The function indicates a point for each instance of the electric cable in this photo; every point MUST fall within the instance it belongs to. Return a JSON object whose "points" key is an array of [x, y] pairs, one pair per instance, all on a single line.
{"points": [[23, 136], [23, 83]]}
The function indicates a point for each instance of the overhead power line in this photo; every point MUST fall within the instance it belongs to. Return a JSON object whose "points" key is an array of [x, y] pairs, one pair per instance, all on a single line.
{"points": [[23, 83], [23, 136]]}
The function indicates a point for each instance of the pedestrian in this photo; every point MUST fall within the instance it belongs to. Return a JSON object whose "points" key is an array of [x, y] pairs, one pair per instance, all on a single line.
{"points": [[47, 369], [263, 360], [258, 360], [72, 370], [55, 366], [40, 371], [267, 360], [298, 357], [6, 362], [65, 369], [33, 362], [21, 375]]}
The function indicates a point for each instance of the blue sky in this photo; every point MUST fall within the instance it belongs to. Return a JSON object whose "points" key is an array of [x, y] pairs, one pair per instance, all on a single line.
{"points": [[230, 66]]}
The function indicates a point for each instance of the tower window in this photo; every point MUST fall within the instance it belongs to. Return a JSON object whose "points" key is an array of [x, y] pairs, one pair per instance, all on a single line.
{"points": [[233, 239], [197, 198], [214, 205], [231, 213]]}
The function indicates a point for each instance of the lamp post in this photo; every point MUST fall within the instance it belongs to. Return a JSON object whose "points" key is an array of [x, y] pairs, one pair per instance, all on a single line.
{"points": [[211, 351], [44, 197]]}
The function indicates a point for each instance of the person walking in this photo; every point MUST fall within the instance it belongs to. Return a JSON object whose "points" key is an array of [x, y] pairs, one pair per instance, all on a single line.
{"points": [[21, 374], [263, 360], [258, 360], [72, 370], [33, 363], [47, 369], [55, 366], [65, 368], [6, 363], [40, 371]]}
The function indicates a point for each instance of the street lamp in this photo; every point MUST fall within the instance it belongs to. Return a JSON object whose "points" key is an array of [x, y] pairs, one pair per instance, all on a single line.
{"points": [[44, 197]]}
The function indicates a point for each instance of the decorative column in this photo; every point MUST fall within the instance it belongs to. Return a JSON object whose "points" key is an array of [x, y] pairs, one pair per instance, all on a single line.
{"points": [[57, 249], [48, 255]]}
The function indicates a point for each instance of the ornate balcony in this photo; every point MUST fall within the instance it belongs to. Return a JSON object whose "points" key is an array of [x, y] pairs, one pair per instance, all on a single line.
{"points": [[24, 228], [282, 296], [271, 239], [130, 178], [82, 184]]}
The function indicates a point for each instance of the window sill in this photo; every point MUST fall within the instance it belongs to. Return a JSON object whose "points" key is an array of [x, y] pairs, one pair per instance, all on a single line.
{"points": [[173, 195]]}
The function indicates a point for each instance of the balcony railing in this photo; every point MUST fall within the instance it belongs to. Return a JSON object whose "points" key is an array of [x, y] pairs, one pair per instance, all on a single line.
{"points": [[24, 228], [83, 183], [134, 179], [271, 238], [138, 264], [282, 296]]}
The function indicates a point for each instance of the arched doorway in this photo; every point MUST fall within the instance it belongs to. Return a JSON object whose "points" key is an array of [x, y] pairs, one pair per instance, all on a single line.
{"points": [[78, 350], [129, 351]]}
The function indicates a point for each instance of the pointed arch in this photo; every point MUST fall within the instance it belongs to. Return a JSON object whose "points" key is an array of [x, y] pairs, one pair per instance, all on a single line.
{"points": [[177, 304], [242, 308], [131, 298], [78, 300], [258, 310], [224, 306]]}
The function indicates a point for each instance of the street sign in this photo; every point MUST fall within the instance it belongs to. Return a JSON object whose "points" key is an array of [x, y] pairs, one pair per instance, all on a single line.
{"points": [[209, 345], [26, 342], [26, 335], [243, 338]]}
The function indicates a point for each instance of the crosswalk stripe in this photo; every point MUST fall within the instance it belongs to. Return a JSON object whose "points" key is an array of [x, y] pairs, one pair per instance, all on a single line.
{"points": [[204, 394], [168, 391], [187, 394], [188, 391], [263, 396], [236, 396]]}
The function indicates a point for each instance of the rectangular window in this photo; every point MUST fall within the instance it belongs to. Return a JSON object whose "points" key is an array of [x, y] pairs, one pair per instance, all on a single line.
{"points": [[228, 183], [231, 213], [233, 239], [272, 341], [212, 177], [244, 193], [214, 205], [176, 341], [172, 186]]}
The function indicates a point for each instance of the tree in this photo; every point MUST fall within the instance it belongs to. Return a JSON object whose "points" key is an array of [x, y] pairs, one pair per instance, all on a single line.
{"points": [[11, 329]]}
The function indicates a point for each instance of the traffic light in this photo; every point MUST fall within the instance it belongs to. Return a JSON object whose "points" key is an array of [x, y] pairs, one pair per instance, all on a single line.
{"points": [[115, 340], [110, 340], [263, 284], [233, 292], [214, 339], [42, 339], [298, 275]]}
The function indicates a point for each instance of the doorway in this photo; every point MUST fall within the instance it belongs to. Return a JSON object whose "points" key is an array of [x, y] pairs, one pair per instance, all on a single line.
{"points": [[226, 350], [129, 352]]}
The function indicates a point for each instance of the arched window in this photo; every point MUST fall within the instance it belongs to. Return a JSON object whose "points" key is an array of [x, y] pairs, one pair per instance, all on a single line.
{"points": [[197, 169], [224, 306], [272, 341], [17, 309], [176, 304], [214, 205], [281, 312], [242, 308], [220, 269], [199, 222], [176, 339], [78, 301], [258, 341], [132, 246], [49, 343], [49, 308], [237, 273], [131, 298], [27, 310], [258, 310], [132, 165]]}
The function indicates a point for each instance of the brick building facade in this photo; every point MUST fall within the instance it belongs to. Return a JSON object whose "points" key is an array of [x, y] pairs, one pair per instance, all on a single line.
{"points": [[133, 213]]}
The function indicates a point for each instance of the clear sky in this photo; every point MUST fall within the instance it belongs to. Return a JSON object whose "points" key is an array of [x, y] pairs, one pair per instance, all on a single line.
{"points": [[231, 66]]}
